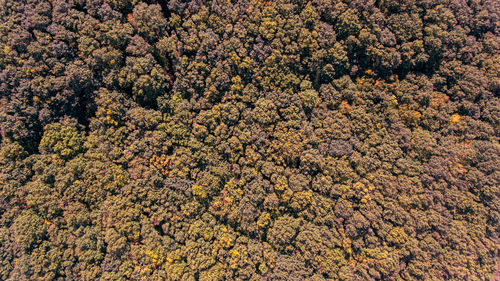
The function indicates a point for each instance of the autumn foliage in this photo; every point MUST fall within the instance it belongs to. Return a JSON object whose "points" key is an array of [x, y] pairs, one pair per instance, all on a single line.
{"points": [[249, 140]]}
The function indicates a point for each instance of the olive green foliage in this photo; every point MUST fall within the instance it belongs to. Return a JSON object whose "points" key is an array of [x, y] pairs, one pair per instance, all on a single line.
{"points": [[249, 140]]}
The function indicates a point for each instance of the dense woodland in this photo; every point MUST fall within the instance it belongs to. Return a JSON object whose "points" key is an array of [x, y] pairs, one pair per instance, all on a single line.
{"points": [[249, 140]]}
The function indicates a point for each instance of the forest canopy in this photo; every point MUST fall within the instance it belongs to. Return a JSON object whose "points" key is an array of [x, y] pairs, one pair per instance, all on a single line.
{"points": [[249, 140]]}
